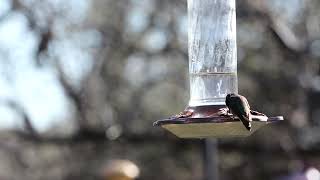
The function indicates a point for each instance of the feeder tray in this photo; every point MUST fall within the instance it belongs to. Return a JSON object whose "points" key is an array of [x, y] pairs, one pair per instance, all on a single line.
{"points": [[212, 121]]}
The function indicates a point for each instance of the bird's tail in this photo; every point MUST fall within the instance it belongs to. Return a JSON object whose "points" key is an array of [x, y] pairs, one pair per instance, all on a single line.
{"points": [[247, 125], [246, 122]]}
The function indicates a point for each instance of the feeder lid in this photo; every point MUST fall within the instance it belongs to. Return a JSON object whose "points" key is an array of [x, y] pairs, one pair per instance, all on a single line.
{"points": [[212, 121]]}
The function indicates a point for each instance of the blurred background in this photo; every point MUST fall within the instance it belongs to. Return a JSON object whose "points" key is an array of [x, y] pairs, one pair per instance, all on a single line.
{"points": [[82, 81]]}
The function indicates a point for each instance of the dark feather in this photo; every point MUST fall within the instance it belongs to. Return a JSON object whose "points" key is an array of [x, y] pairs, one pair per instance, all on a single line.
{"points": [[239, 106]]}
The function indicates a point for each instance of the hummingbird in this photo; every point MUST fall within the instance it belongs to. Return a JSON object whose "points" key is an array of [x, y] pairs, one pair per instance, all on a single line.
{"points": [[239, 106]]}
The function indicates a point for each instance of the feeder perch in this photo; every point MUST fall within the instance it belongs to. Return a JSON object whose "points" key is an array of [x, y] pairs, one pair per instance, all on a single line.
{"points": [[213, 74]]}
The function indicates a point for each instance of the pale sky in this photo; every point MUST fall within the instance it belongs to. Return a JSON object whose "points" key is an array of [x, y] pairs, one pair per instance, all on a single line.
{"points": [[37, 88]]}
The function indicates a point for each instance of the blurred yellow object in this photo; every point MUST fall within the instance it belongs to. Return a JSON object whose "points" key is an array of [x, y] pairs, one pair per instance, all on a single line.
{"points": [[120, 170]]}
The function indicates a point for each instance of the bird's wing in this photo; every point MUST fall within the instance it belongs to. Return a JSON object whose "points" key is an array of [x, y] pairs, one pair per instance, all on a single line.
{"points": [[241, 109], [241, 104], [246, 102]]}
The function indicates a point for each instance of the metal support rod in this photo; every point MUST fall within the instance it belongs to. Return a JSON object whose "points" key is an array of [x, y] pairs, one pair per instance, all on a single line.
{"points": [[212, 63], [210, 159]]}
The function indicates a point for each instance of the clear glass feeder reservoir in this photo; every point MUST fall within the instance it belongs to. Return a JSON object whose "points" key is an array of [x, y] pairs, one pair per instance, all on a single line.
{"points": [[212, 51]]}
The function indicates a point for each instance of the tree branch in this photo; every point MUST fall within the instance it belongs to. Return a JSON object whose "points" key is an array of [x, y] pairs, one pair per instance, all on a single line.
{"points": [[27, 122], [74, 95]]}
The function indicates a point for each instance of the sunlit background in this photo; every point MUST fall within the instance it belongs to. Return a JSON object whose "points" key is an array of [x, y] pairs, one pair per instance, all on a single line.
{"points": [[82, 81]]}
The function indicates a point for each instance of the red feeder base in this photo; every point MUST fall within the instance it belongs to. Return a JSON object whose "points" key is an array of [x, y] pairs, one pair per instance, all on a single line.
{"points": [[212, 121]]}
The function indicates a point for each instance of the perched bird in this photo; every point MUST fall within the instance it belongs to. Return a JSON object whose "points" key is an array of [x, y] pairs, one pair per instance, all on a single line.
{"points": [[239, 106]]}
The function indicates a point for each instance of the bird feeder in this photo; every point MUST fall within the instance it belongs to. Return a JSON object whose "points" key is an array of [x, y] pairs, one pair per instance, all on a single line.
{"points": [[212, 52]]}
